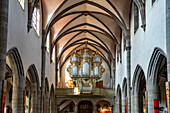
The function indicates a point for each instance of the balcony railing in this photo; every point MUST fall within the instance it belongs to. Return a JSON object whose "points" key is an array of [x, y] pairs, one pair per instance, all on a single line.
{"points": [[75, 91]]}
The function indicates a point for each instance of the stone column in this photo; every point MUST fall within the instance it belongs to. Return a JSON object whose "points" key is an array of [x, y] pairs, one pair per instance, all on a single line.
{"points": [[76, 108], [152, 94], [123, 102], [168, 40], [128, 62], [3, 41], [18, 94], [136, 103], [34, 98], [132, 102], [38, 101], [94, 108], [112, 108], [168, 36], [43, 71], [47, 104], [117, 104]]}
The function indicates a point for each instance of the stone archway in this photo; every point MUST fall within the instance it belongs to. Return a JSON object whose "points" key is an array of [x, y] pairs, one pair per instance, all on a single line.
{"points": [[67, 106], [14, 82], [157, 76], [103, 106], [139, 91], [31, 90], [85, 107]]}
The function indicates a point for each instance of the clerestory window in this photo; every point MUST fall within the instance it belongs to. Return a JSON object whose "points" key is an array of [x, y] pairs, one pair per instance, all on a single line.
{"points": [[136, 18], [36, 20]]}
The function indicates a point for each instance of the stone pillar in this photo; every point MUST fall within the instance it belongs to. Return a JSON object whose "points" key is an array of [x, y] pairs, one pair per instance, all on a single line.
{"points": [[95, 109], [76, 108], [117, 104], [152, 94], [112, 108], [168, 40], [18, 94], [128, 62], [52, 105], [34, 98], [168, 36], [43, 71], [38, 101], [3, 41], [47, 104], [132, 102], [123, 102], [136, 103]]}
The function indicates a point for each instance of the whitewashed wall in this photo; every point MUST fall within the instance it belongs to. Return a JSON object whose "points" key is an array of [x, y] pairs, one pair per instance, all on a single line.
{"points": [[143, 43]]}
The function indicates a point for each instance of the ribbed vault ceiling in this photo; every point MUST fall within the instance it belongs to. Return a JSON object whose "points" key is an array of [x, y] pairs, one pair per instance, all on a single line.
{"points": [[71, 23]]}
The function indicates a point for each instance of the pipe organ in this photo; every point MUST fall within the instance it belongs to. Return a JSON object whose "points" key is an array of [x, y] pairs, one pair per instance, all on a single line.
{"points": [[85, 70]]}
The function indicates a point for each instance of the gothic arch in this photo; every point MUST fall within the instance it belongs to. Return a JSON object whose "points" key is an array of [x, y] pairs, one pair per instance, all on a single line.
{"points": [[15, 59], [137, 77], [157, 57], [32, 81], [157, 77], [139, 90], [18, 86], [124, 85], [34, 74]]}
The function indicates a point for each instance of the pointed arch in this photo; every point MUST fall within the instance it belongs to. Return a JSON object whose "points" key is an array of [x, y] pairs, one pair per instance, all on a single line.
{"points": [[156, 59], [33, 71], [15, 58], [124, 85]]}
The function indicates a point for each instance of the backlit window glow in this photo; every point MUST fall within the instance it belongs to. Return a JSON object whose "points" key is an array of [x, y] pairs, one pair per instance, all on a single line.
{"points": [[21, 3], [36, 20]]}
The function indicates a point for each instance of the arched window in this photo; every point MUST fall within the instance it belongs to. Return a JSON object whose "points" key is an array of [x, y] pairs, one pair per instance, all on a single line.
{"points": [[36, 20], [21, 3], [136, 18]]}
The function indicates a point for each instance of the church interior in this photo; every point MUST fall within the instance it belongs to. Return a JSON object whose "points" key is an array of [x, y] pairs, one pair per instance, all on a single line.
{"points": [[84, 56]]}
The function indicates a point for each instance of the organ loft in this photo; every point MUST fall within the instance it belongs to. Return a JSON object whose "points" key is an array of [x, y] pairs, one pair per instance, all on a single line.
{"points": [[85, 70]]}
